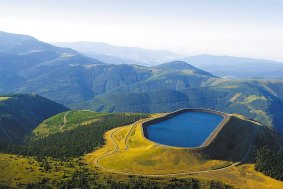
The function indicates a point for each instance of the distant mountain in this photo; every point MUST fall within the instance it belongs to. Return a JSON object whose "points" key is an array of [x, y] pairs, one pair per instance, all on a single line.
{"points": [[74, 84], [23, 57], [185, 67], [258, 100], [235, 67], [20, 114], [121, 55], [83, 83], [223, 66], [108, 59], [24, 44]]}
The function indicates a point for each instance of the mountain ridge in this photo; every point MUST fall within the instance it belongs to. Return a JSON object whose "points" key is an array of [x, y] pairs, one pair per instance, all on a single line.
{"points": [[223, 66], [124, 87], [21, 113], [22, 56], [135, 54]]}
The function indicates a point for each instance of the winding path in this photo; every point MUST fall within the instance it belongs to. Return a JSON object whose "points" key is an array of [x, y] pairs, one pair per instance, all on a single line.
{"points": [[65, 120], [128, 135], [130, 132], [116, 149]]}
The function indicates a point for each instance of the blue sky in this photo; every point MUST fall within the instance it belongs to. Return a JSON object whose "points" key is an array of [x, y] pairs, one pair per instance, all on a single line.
{"points": [[251, 28]]}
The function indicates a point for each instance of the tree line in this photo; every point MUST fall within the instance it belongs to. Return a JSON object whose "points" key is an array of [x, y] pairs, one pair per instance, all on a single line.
{"points": [[268, 161], [75, 142]]}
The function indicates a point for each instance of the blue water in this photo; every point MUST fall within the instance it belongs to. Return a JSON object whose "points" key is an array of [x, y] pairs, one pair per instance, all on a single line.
{"points": [[189, 129]]}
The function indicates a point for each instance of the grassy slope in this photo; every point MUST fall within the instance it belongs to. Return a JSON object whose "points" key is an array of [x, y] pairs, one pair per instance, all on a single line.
{"points": [[243, 176], [17, 171], [3, 98], [144, 157], [82, 133], [49, 126], [74, 119]]}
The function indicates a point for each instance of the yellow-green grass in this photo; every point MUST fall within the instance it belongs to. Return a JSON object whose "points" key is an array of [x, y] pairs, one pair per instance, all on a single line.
{"points": [[252, 98], [2, 98], [235, 97], [221, 81], [188, 72], [143, 155], [66, 55], [49, 126], [264, 85], [17, 171], [82, 117], [66, 121], [242, 176], [257, 113], [146, 157]]}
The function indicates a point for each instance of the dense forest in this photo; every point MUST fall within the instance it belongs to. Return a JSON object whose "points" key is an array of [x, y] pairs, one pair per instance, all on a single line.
{"points": [[268, 161], [101, 87], [21, 113], [75, 142]]}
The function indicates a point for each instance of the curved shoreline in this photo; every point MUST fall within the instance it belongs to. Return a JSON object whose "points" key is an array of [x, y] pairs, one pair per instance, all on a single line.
{"points": [[207, 141], [116, 149]]}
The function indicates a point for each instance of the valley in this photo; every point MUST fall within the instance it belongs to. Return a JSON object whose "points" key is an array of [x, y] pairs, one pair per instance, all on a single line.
{"points": [[71, 121], [141, 94], [128, 155], [74, 170], [79, 82]]}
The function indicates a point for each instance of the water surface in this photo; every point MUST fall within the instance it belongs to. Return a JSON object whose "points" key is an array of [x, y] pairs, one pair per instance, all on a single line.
{"points": [[189, 129]]}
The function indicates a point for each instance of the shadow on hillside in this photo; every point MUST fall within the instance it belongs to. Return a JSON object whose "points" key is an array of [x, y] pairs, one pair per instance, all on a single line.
{"points": [[233, 142]]}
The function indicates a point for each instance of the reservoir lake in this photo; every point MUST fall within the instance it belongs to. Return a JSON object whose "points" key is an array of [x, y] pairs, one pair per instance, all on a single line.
{"points": [[189, 129]]}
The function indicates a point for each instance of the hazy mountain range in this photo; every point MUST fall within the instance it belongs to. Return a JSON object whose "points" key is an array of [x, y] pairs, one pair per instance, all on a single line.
{"points": [[121, 55], [77, 81], [20, 114], [224, 66]]}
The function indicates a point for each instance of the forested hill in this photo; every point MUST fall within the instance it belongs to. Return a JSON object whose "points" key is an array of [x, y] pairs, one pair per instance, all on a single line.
{"points": [[259, 100], [65, 76], [72, 85], [180, 65], [23, 58], [20, 114]]}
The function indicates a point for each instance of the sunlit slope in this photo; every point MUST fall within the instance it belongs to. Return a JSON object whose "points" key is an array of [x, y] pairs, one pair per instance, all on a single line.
{"points": [[137, 155], [73, 173], [72, 133], [17, 171], [2, 98], [127, 151], [67, 121]]}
